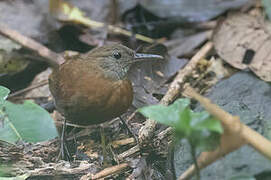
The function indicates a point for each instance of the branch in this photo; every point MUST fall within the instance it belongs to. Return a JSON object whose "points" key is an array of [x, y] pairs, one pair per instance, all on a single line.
{"points": [[51, 57], [236, 134]]}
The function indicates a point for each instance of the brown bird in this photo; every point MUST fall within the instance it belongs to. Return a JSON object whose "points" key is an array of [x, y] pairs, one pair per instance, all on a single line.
{"points": [[93, 87]]}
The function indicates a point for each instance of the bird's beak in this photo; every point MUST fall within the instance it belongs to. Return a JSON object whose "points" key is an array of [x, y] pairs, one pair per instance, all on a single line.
{"points": [[140, 57]]}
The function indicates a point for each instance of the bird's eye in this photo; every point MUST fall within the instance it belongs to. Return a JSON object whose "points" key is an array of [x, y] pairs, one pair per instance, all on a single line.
{"points": [[116, 55]]}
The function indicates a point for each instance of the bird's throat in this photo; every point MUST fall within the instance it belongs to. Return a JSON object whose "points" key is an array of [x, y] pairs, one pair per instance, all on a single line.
{"points": [[114, 71]]}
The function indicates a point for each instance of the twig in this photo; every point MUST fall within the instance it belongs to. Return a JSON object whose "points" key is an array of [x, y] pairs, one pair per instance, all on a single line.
{"points": [[123, 142], [113, 29], [235, 135], [74, 14], [110, 171], [42, 83], [20, 98], [131, 116], [252, 137], [146, 132], [78, 126], [129, 152], [114, 155], [164, 133], [194, 157], [175, 87], [159, 137], [207, 25], [135, 149], [52, 58]]}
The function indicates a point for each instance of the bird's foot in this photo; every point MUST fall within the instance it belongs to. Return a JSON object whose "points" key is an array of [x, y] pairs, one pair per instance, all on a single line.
{"points": [[64, 153], [106, 160], [129, 130]]}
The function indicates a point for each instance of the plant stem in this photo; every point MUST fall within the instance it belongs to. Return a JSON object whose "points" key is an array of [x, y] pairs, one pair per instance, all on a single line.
{"points": [[193, 153]]}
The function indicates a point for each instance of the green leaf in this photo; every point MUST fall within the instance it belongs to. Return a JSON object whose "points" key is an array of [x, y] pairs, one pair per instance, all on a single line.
{"points": [[205, 131], [204, 140], [159, 113], [183, 125], [201, 130], [28, 122], [168, 115], [3, 94], [203, 121]]}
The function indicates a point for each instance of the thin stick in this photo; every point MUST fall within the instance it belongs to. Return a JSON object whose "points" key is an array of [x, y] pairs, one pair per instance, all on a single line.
{"points": [[52, 58], [117, 30], [74, 14], [255, 139], [123, 142], [129, 152], [34, 86], [110, 171], [131, 116], [146, 132], [194, 157], [176, 85], [235, 135]]}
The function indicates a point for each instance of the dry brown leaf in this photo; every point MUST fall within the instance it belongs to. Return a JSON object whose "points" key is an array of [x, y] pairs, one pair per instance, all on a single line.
{"points": [[245, 41]]}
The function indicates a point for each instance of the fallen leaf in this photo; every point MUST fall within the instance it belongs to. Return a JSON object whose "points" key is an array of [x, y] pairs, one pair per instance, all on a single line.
{"points": [[244, 41]]}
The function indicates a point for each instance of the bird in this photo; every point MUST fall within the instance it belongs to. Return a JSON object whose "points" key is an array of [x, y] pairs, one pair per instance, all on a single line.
{"points": [[93, 88]]}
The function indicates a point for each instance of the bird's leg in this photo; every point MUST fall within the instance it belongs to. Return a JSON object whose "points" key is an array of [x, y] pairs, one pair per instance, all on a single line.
{"points": [[128, 129], [64, 152], [73, 131], [102, 133]]}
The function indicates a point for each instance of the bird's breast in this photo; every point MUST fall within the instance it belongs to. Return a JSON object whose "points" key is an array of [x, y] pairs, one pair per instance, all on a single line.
{"points": [[85, 96]]}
